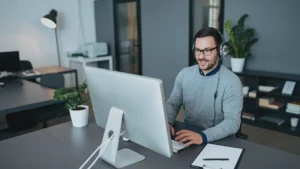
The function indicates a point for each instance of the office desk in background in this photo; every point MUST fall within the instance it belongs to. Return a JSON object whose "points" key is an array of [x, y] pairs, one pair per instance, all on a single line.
{"points": [[50, 70], [64, 146], [16, 97], [79, 62]]}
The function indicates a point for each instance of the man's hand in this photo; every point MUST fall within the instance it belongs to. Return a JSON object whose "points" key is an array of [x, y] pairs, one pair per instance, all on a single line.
{"points": [[188, 136], [172, 130]]}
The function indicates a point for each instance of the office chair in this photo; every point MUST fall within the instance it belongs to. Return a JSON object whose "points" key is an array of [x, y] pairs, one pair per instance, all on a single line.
{"points": [[26, 65], [239, 133]]}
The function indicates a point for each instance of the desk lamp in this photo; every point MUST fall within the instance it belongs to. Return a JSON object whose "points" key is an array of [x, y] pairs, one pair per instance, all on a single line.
{"points": [[49, 21]]}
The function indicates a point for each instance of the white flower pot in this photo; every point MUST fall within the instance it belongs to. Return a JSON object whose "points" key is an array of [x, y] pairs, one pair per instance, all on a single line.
{"points": [[237, 64], [80, 117]]}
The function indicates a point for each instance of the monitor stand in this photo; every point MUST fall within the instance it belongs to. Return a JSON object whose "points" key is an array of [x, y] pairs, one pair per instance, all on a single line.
{"points": [[123, 157]]}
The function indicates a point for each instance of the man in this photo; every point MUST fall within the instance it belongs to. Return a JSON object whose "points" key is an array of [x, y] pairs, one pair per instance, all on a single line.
{"points": [[211, 95]]}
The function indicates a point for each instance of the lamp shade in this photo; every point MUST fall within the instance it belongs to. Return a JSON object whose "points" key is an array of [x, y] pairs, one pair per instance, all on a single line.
{"points": [[49, 20]]}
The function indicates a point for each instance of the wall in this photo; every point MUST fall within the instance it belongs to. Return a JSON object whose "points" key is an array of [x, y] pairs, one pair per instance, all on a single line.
{"points": [[198, 12], [277, 24], [22, 30], [165, 39], [165, 36], [104, 19]]}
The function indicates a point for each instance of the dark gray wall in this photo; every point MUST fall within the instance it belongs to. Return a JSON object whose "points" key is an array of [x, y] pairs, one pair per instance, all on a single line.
{"points": [[277, 23], [105, 25], [165, 36], [165, 39], [197, 15]]}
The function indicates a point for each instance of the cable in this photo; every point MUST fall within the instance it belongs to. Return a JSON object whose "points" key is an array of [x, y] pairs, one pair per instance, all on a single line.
{"points": [[215, 97], [101, 151], [104, 145]]}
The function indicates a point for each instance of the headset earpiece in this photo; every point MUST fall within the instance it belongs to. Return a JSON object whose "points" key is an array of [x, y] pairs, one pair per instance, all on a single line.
{"points": [[222, 47]]}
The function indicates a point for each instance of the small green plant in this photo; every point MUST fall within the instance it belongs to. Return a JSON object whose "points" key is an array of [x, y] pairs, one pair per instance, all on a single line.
{"points": [[72, 98], [241, 38]]}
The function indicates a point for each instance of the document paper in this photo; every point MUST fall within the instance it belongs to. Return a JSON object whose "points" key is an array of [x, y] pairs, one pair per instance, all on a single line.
{"points": [[217, 151]]}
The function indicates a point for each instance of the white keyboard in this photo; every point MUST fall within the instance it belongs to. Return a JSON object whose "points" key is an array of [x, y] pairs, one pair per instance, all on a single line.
{"points": [[177, 146]]}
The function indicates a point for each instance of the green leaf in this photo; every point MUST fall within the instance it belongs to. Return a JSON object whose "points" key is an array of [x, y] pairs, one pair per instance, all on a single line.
{"points": [[242, 19], [72, 99], [240, 38]]}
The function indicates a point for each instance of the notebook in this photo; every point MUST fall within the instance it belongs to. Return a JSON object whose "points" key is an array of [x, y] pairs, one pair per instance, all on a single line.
{"points": [[217, 151]]}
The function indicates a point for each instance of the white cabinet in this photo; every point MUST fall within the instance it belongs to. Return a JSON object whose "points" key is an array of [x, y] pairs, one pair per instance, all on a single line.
{"points": [[79, 62]]}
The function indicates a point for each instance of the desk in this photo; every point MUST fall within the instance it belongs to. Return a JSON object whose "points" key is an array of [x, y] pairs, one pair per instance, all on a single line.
{"points": [[51, 70], [16, 97], [66, 139], [86, 61], [39, 150]]}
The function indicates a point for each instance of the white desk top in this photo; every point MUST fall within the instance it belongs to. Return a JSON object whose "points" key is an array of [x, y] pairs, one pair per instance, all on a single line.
{"points": [[86, 60]]}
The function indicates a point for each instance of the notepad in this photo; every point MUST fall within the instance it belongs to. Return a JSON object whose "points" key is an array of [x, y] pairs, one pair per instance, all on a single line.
{"points": [[217, 151]]}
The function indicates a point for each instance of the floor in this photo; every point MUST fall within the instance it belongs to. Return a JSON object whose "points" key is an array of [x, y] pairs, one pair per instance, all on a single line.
{"points": [[262, 136]]}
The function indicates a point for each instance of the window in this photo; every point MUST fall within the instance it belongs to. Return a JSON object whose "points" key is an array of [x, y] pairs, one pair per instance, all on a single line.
{"points": [[214, 10], [205, 13]]}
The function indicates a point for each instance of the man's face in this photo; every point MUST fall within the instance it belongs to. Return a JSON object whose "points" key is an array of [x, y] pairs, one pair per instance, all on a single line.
{"points": [[206, 53]]}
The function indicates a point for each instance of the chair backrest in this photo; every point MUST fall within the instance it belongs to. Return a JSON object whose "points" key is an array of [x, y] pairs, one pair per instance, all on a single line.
{"points": [[53, 81], [25, 65]]}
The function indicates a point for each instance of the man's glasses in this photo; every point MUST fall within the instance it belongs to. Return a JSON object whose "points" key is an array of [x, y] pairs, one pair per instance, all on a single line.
{"points": [[206, 51]]}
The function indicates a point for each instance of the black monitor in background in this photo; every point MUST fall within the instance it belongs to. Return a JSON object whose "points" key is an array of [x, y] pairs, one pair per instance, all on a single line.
{"points": [[10, 61]]}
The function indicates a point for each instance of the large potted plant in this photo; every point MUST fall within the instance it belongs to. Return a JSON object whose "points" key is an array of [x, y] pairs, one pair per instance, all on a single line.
{"points": [[240, 41], [74, 102]]}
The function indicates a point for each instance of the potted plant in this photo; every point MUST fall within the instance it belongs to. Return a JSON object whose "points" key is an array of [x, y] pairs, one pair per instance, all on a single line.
{"points": [[240, 41], [74, 102]]}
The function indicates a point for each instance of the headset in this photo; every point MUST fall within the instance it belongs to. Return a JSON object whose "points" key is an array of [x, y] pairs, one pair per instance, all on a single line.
{"points": [[215, 97], [222, 50]]}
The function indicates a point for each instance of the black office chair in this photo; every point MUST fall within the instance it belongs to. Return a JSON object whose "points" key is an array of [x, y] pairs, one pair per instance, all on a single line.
{"points": [[240, 134], [25, 65]]}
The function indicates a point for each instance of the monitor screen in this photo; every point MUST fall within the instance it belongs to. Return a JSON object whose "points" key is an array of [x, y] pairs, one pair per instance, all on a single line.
{"points": [[10, 61]]}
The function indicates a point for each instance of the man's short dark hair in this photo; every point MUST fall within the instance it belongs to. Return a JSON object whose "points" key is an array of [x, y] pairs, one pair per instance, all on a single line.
{"points": [[209, 31]]}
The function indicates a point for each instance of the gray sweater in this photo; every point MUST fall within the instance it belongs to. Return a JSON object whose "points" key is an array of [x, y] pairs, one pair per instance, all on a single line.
{"points": [[197, 92]]}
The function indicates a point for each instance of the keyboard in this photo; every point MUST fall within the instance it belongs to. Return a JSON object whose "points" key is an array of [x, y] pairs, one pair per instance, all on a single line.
{"points": [[9, 78], [177, 146]]}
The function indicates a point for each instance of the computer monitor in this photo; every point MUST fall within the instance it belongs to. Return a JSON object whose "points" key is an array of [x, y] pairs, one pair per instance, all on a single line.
{"points": [[10, 61], [142, 101]]}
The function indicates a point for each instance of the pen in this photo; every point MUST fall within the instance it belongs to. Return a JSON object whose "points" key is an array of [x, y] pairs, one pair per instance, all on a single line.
{"points": [[217, 159]]}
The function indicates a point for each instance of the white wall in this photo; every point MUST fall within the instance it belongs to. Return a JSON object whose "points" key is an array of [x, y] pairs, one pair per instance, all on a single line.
{"points": [[22, 30]]}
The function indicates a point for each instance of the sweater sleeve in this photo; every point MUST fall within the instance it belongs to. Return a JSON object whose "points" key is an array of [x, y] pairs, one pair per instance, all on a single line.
{"points": [[174, 102], [232, 104]]}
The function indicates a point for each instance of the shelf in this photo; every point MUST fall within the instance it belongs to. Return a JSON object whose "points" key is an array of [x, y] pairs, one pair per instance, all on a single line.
{"points": [[255, 78], [281, 111], [277, 93], [284, 128], [87, 60], [251, 98], [267, 74]]}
